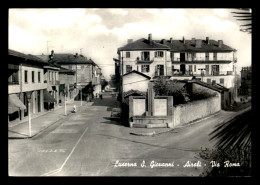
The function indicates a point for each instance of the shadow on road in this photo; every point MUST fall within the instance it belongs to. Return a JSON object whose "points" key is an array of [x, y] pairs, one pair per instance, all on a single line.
{"points": [[113, 121], [153, 145]]}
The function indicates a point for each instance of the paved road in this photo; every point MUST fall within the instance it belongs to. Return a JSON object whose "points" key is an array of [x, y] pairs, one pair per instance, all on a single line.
{"points": [[87, 144]]}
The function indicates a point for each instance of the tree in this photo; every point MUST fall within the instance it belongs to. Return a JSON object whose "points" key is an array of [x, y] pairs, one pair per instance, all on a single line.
{"points": [[103, 83], [245, 15], [164, 87], [114, 82]]}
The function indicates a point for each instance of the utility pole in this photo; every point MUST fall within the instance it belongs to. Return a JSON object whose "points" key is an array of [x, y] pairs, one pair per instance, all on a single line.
{"points": [[81, 50], [47, 47]]}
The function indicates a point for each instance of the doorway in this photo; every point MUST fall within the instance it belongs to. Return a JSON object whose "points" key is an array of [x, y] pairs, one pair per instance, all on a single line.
{"points": [[182, 68], [39, 100]]}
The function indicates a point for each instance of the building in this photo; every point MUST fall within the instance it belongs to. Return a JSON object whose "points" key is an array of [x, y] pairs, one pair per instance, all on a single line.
{"points": [[67, 87], [208, 60], [88, 73], [246, 81], [25, 83]]}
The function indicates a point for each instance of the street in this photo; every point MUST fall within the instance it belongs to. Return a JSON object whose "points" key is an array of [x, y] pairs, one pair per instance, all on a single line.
{"points": [[88, 144]]}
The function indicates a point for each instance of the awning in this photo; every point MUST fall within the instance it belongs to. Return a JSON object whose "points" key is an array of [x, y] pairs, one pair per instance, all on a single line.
{"points": [[48, 97], [14, 104]]}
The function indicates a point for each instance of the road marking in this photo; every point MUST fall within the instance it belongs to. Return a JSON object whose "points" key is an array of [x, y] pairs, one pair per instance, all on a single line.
{"points": [[51, 150], [64, 131], [59, 169]]}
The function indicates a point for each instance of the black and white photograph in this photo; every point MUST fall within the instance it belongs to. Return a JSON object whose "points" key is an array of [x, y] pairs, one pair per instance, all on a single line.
{"points": [[129, 92]]}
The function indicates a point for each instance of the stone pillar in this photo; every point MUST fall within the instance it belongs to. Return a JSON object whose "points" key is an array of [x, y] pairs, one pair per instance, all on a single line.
{"points": [[150, 98], [131, 107]]}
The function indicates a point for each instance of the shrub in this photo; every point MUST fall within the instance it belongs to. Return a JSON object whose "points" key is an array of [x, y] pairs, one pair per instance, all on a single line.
{"points": [[237, 156]]}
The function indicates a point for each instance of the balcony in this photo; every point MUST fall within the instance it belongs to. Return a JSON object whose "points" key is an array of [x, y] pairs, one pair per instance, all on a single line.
{"points": [[201, 60], [144, 60], [213, 73]]}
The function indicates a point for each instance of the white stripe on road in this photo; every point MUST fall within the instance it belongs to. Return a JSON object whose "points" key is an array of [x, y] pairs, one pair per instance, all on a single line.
{"points": [[59, 169]]}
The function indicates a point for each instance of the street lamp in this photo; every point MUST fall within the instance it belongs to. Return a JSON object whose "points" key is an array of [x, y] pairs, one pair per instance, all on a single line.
{"points": [[29, 96], [65, 108]]}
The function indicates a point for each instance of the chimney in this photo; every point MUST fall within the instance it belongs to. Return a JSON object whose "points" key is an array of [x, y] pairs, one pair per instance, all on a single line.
{"points": [[220, 43], [183, 39], [129, 41], [207, 40], [163, 41], [193, 39], [150, 37], [171, 40], [198, 43], [51, 55]]}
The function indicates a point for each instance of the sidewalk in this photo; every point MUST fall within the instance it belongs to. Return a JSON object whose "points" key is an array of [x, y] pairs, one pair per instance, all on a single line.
{"points": [[40, 122]]}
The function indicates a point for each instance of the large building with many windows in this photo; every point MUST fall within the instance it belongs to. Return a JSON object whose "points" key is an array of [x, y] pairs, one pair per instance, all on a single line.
{"points": [[207, 60]]}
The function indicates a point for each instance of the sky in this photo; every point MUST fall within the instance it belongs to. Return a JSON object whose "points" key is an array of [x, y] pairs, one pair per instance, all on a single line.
{"points": [[98, 33]]}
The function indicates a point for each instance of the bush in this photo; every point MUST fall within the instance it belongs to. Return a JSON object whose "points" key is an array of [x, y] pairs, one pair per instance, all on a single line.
{"points": [[237, 156], [165, 87]]}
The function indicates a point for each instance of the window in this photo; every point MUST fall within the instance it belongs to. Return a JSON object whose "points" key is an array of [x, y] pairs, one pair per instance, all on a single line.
{"points": [[159, 70], [145, 56], [207, 56], [214, 56], [215, 69], [127, 54], [32, 76], [145, 68], [128, 68], [26, 76], [194, 68], [221, 80], [172, 56], [39, 76], [209, 81], [158, 54]]}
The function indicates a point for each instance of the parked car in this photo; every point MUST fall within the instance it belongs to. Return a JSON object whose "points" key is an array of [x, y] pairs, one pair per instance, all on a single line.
{"points": [[116, 113]]}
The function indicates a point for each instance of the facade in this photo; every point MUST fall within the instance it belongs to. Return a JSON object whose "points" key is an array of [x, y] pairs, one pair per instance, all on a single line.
{"points": [[25, 83], [86, 71], [135, 80], [246, 81], [208, 60], [67, 84], [51, 77]]}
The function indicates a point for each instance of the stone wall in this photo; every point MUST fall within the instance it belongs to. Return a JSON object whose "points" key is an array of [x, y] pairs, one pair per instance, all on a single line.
{"points": [[185, 113]]}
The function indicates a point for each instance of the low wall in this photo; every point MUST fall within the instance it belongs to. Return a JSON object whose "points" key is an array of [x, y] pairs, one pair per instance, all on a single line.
{"points": [[189, 112]]}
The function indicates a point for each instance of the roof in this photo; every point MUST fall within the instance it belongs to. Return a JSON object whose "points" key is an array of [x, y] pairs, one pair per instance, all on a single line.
{"points": [[189, 45], [176, 45], [71, 59], [133, 92], [216, 87], [29, 57], [137, 72], [143, 44]]}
